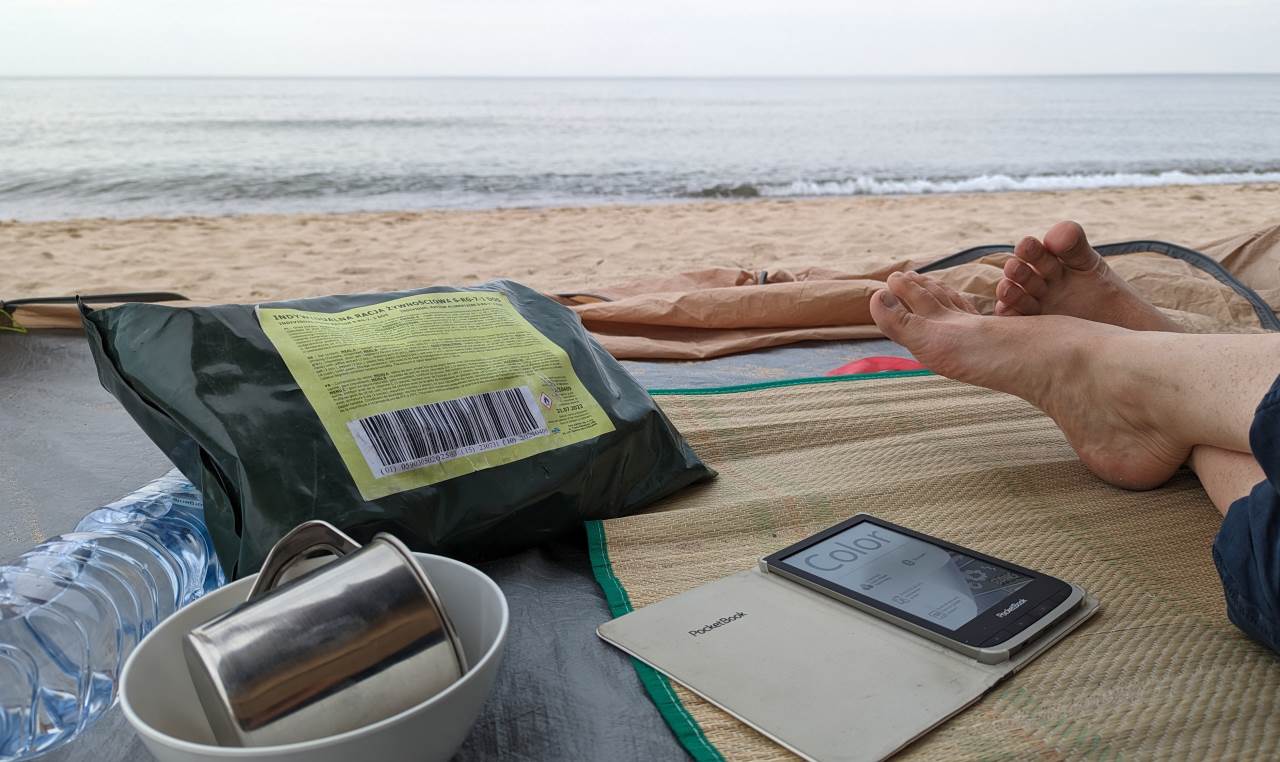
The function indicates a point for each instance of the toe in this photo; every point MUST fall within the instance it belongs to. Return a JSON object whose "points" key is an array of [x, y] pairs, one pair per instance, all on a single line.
{"points": [[1012, 296], [1004, 310], [890, 314], [963, 302], [1032, 252], [1025, 275], [947, 296], [912, 288], [1067, 242]]}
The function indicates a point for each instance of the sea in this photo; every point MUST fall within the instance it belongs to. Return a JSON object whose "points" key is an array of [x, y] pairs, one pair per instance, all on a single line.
{"points": [[174, 147]]}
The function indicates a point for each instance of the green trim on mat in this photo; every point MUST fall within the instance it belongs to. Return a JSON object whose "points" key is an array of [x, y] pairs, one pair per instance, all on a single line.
{"points": [[791, 382], [686, 729]]}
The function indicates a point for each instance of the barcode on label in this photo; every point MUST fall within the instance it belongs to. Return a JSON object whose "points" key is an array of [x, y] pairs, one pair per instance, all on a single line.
{"points": [[402, 440]]}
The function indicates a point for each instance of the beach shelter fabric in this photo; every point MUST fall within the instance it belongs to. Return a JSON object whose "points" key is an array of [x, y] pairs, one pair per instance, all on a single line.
{"points": [[1254, 259], [721, 311], [1158, 673]]}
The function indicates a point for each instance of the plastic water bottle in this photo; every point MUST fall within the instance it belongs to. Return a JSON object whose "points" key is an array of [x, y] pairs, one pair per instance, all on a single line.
{"points": [[75, 606]]}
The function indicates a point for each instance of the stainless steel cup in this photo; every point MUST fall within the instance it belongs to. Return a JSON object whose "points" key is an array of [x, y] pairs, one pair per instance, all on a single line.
{"points": [[345, 645]]}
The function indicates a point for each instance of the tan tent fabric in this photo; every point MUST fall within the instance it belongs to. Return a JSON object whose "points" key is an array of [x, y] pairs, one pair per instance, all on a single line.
{"points": [[721, 311], [636, 342], [1252, 258], [1159, 673]]}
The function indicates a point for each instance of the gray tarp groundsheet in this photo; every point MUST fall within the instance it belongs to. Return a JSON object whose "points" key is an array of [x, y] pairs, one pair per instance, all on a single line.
{"points": [[561, 694]]}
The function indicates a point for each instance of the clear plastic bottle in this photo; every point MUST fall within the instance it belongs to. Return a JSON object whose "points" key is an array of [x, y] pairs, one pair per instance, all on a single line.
{"points": [[74, 607]]}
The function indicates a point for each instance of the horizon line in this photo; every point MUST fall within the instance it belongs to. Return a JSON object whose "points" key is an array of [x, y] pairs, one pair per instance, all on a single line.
{"points": [[657, 76]]}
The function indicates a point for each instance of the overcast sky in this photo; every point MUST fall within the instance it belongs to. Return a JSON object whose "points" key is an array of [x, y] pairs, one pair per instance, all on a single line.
{"points": [[635, 37]]}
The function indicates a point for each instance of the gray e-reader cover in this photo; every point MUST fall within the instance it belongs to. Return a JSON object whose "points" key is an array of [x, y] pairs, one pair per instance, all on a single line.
{"points": [[819, 677]]}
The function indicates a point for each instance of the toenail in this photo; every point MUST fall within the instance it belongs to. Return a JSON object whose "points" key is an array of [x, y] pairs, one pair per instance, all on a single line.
{"points": [[888, 299]]}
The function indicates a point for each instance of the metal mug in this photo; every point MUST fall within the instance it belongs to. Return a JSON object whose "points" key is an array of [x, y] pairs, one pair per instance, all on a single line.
{"points": [[345, 645]]}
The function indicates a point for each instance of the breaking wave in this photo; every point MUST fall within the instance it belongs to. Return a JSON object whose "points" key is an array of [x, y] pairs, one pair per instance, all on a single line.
{"points": [[873, 186]]}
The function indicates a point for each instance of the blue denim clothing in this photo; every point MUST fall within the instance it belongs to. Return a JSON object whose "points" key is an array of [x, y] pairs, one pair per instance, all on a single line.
{"points": [[1247, 548]]}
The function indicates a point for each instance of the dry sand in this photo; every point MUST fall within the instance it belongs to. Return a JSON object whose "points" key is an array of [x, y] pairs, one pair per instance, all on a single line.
{"points": [[259, 257]]}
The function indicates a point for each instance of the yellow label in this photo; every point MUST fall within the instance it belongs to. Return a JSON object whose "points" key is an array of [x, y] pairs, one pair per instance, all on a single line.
{"points": [[426, 388]]}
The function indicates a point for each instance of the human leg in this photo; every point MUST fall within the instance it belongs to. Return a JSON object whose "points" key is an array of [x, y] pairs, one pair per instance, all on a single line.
{"points": [[1064, 275], [1132, 404], [1226, 475], [1247, 548]]}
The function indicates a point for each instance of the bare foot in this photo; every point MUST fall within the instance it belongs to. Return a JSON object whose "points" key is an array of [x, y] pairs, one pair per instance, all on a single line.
{"points": [[1067, 367], [1065, 276]]}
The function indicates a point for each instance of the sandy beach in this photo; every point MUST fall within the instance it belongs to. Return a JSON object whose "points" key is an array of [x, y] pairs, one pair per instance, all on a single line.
{"points": [[257, 257]]}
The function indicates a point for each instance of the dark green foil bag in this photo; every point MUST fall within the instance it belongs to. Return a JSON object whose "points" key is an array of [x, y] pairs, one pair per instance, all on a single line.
{"points": [[470, 422]]}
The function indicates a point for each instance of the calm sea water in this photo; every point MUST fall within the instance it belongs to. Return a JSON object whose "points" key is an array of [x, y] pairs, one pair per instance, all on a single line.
{"points": [[90, 147]]}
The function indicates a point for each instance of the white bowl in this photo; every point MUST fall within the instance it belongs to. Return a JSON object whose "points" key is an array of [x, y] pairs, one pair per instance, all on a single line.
{"points": [[161, 704]]}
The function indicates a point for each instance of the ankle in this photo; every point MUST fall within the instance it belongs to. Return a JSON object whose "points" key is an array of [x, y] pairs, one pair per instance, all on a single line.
{"points": [[1133, 368]]}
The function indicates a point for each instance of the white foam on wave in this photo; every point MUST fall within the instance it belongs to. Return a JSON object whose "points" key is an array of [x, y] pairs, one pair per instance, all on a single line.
{"points": [[866, 186]]}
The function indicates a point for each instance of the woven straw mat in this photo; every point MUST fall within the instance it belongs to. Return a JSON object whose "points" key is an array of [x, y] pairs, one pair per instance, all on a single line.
{"points": [[1158, 673]]}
